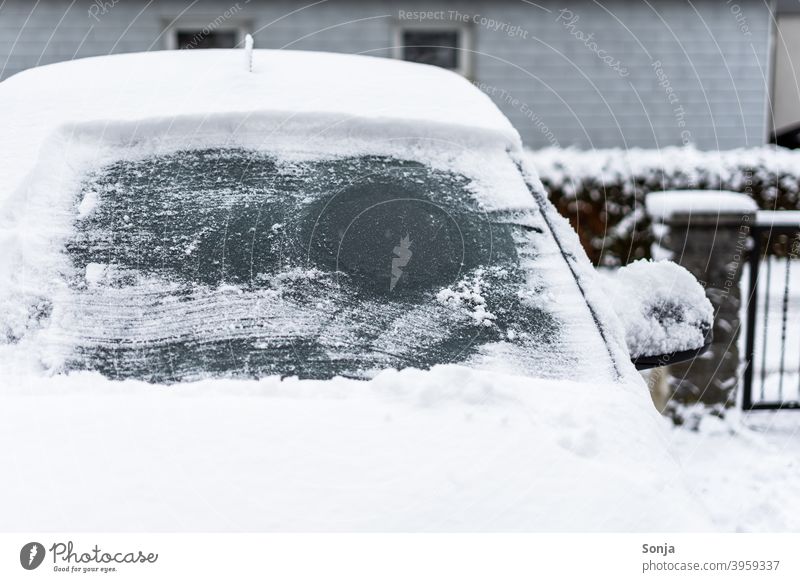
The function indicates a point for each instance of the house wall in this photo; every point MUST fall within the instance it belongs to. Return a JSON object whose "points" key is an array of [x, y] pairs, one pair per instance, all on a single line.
{"points": [[710, 89], [786, 88]]}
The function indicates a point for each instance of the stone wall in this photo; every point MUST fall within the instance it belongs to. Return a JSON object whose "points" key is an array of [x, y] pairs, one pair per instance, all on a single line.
{"points": [[713, 247]]}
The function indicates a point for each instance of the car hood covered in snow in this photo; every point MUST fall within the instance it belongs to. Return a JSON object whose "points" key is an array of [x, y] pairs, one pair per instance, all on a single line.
{"points": [[451, 449]]}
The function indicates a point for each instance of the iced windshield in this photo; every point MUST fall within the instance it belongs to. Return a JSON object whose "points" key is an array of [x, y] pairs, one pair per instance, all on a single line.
{"points": [[234, 262]]}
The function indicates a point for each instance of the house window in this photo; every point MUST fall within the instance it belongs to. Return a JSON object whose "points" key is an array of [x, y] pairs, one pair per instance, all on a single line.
{"points": [[192, 39], [442, 45], [205, 34]]}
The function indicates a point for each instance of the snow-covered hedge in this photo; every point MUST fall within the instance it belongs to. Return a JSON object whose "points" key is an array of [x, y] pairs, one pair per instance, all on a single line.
{"points": [[602, 191]]}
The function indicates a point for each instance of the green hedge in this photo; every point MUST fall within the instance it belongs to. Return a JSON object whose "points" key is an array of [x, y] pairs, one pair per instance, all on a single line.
{"points": [[602, 192]]}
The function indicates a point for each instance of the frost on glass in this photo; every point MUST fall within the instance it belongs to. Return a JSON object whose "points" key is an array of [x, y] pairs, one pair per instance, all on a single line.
{"points": [[229, 262]]}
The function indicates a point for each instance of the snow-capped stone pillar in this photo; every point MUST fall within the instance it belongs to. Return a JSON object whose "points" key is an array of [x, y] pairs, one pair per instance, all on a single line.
{"points": [[707, 232]]}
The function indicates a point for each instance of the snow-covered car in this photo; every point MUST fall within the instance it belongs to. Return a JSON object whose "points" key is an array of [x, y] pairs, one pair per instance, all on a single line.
{"points": [[218, 220]]}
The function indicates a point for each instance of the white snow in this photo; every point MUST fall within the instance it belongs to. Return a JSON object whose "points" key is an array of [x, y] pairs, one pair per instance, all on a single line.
{"points": [[451, 449], [616, 177], [661, 305], [778, 217], [745, 471], [88, 204], [467, 297], [198, 92], [687, 166], [662, 206], [95, 273], [590, 285]]}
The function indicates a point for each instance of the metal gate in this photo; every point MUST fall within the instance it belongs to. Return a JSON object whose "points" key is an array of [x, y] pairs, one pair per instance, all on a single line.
{"points": [[772, 345]]}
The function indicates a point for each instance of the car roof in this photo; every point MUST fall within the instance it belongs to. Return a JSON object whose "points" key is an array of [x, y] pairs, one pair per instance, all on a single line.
{"points": [[200, 81], [398, 97]]}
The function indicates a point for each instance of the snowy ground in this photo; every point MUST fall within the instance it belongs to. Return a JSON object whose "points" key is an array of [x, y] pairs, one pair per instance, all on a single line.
{"points": [[745, 471]]}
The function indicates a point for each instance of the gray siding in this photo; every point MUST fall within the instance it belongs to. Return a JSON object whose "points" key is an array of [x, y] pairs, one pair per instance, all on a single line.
{"points": [[555, 89]]}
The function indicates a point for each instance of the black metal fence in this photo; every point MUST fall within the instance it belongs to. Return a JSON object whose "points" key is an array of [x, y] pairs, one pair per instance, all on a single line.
{"points": [[772, 348]]}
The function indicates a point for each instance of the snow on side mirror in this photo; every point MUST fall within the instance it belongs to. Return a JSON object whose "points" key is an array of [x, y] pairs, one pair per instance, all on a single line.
{"points": [[664, 310]]}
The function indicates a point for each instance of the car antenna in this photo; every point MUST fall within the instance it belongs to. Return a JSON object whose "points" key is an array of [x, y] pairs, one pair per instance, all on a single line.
{"points": [[248, 52]]}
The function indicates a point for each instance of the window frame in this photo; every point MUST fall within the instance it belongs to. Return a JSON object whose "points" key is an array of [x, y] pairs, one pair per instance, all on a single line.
{"points": [[242, 27], [464, 49]]}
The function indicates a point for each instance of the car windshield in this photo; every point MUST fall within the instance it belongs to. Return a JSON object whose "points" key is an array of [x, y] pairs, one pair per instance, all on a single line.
{"points": [[235, 262]]}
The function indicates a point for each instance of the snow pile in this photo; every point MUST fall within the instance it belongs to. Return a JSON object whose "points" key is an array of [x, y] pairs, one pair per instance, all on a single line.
{"points": [[662, 206], [467, 296], [662, 307], [451, 449]]}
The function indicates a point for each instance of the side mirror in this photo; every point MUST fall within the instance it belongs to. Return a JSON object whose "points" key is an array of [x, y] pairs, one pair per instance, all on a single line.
{"points": [[664, 311]]}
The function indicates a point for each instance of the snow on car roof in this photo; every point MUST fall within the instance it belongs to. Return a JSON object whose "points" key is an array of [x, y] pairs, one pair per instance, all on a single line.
{"points": [[397, 97]]}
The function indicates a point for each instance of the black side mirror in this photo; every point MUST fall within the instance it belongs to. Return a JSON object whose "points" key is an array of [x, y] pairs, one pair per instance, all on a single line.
{"points": [[648, 362]]}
